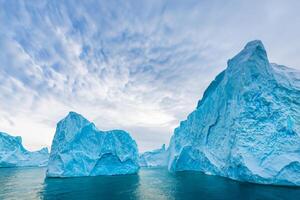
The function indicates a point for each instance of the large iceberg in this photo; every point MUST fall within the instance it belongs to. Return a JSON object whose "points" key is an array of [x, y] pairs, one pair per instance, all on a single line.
{"points": [[80, 149], [13, 154], [155, 158], [246, 126]]}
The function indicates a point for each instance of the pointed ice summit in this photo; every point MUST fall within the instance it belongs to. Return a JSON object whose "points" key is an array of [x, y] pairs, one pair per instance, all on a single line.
{"points": [[13, 154], [247, 125], [80, 149]]}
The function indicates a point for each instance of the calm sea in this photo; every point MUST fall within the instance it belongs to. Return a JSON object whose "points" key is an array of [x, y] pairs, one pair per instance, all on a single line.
{"points": [[30, 183]]}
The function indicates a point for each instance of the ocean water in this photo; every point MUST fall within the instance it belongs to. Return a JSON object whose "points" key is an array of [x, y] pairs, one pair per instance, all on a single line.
{"points": [[156, 183]]}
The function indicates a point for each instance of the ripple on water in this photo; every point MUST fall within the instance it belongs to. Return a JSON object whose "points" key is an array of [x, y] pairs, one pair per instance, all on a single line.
{"points": [[156, 183]]}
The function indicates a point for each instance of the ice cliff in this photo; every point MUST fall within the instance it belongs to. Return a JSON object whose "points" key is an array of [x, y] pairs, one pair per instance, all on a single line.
{"points": [[155, 158], [13, 154], [246, 126], [80, 149]]}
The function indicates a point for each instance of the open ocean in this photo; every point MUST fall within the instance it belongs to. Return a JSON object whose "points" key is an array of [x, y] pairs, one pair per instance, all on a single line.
{"points": [[155, 183]]}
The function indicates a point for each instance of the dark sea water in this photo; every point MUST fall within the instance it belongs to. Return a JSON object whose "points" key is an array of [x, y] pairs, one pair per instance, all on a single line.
{"points": [[30, 183]]}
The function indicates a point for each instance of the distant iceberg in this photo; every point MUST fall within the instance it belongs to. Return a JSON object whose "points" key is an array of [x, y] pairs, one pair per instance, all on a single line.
{"points": [[155, 158], [13, 154], [80, 149], [246, 126]]}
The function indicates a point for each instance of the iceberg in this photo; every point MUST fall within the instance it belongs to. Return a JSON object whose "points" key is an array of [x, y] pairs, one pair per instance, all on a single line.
{"points": [[13, 154], [246, 126], [155, 158], [80, 149]]}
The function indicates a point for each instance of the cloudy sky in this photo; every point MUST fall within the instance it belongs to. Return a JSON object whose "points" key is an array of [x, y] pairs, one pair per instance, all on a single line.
{"points": [[137, 65]]}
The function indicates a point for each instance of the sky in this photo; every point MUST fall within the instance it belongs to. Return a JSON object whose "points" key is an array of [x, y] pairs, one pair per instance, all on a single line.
{"points": [[136, 65]]}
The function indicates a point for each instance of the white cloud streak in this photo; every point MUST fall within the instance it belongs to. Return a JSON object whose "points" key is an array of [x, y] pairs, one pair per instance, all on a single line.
{"points": [[134, 65]]}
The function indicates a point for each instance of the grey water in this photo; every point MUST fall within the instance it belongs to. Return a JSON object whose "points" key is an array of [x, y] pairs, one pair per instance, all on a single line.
{"points": [[155, 183]]}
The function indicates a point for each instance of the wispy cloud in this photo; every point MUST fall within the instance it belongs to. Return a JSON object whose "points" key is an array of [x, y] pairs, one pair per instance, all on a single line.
{"points": [[136, 65]]}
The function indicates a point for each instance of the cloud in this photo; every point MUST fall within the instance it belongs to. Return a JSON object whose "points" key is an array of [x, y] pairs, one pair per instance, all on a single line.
{"points": [[137, 65]]}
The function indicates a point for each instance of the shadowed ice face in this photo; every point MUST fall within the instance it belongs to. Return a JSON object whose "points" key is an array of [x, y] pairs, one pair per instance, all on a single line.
{"points": [[138, 66]]}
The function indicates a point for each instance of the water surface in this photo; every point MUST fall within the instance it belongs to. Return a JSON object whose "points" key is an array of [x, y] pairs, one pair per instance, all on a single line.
{"points": [[30, 183]]}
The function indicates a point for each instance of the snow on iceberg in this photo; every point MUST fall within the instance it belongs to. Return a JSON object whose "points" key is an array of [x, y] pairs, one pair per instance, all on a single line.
{"points": [[13, 154], [246, 126], [155, 158], [80, 149]]}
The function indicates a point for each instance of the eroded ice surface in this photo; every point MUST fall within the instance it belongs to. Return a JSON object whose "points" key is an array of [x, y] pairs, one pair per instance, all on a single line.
{"points": [[80, 149], [13, 154], [155, 158], [246, 126]]}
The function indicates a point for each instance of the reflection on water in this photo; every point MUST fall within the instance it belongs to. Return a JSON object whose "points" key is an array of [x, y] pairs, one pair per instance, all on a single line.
{"points": [[18, 183], [108, 187], [30, 183]]}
